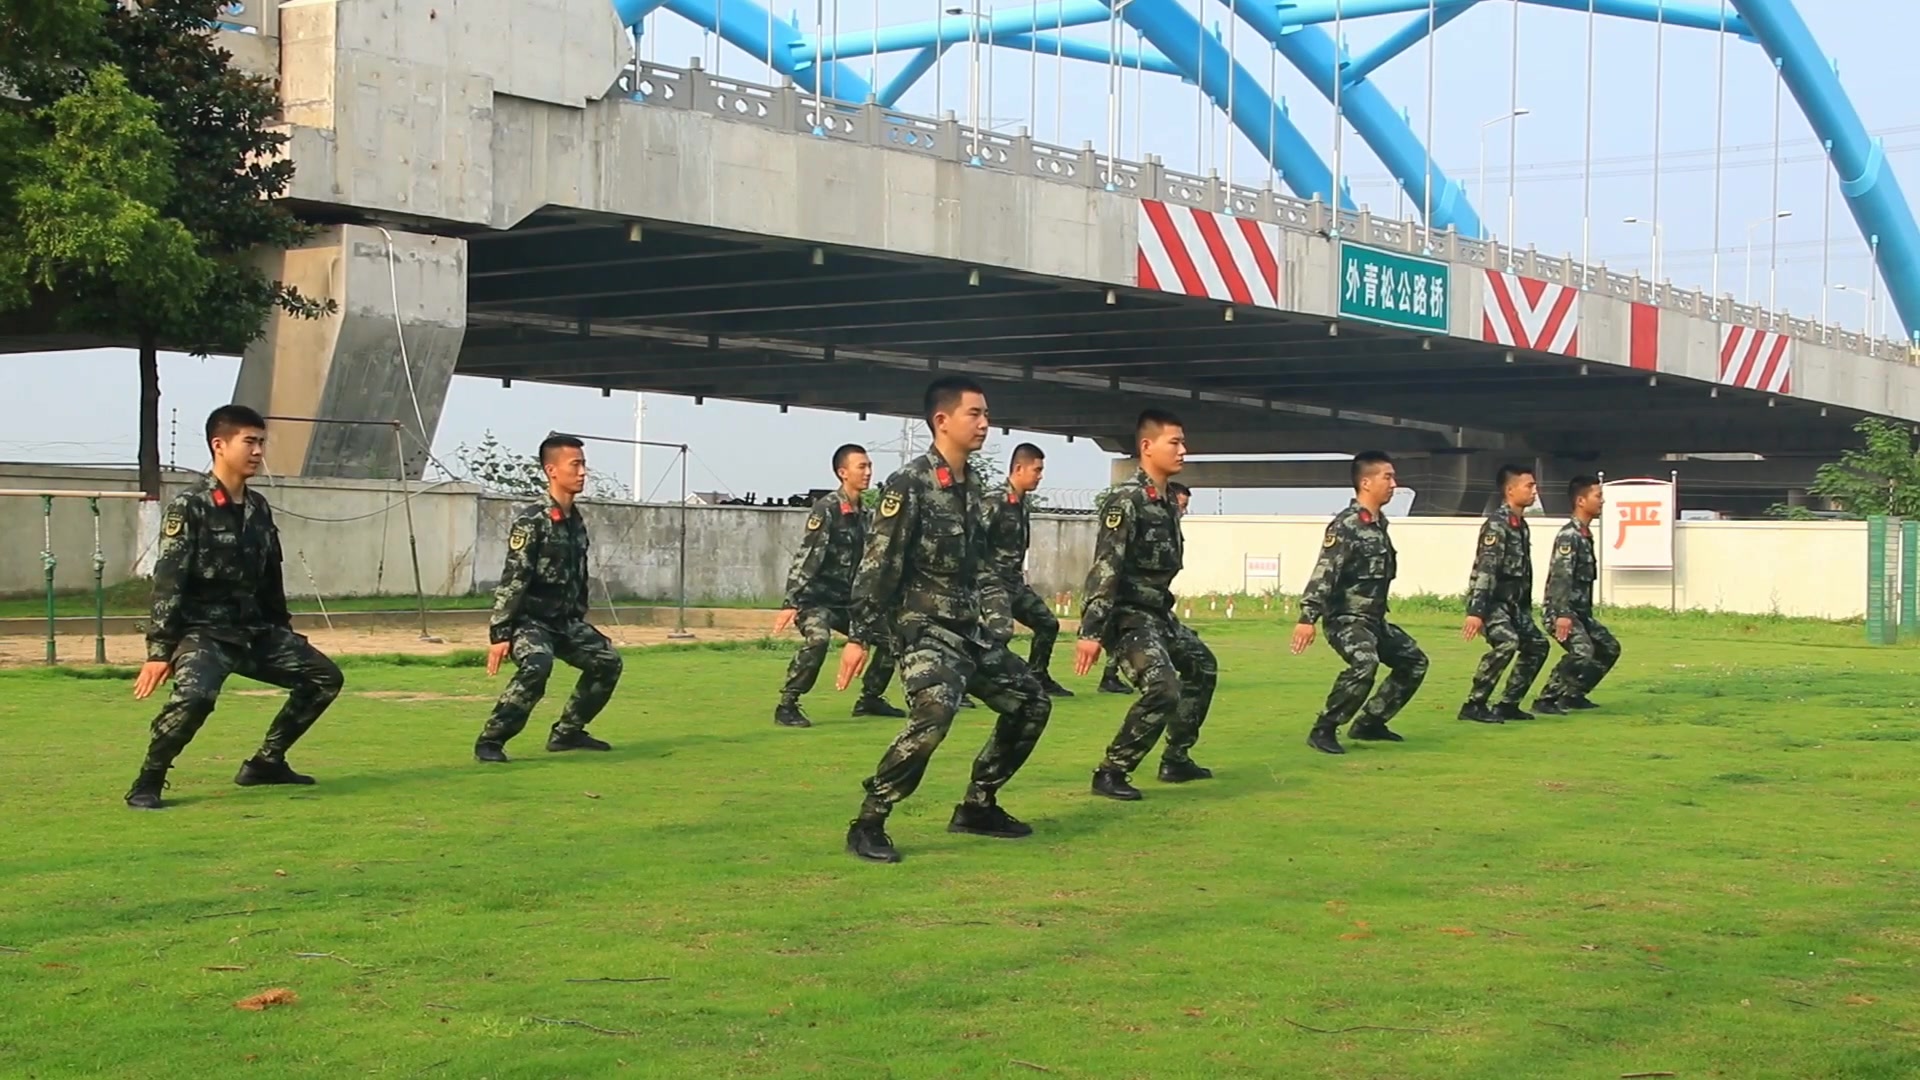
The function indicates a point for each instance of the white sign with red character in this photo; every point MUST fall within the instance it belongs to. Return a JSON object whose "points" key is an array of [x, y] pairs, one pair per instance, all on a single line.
{"points": [[1638, 530]]}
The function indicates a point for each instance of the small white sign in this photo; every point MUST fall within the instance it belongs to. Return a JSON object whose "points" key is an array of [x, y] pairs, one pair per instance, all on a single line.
{"points": [[1637, 525], [1260, 573]]}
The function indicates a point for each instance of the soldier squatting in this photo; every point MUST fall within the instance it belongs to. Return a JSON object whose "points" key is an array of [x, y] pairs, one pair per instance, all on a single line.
{"points": [[929, 583]]}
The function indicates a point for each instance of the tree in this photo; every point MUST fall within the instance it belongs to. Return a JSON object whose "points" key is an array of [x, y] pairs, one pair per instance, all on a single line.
{"points": [[499, 469], [1881, 477], [227, 179]]}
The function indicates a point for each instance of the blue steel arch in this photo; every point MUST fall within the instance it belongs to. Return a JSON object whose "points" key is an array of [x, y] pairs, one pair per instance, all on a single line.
{"points": [[1293, 28]]}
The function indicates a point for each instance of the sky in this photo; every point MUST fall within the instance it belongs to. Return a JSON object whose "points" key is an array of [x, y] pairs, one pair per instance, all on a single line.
{"points": [[1801, 261]]}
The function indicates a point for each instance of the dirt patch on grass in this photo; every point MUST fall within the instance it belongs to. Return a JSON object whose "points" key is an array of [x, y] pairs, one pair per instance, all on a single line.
{"points": [[132, 648]]}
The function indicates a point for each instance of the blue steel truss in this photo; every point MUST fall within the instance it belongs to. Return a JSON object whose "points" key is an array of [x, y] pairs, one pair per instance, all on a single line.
{"points": [[1294, 29]]}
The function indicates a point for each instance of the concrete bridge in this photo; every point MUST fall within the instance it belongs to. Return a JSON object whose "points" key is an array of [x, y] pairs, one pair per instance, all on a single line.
{"points": [[515, 199]]}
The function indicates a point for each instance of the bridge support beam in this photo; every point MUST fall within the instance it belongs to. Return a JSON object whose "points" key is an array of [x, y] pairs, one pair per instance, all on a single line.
{"points": [[411, 288]]}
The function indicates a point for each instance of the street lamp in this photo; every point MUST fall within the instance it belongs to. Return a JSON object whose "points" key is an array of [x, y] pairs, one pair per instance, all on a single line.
{"points": [[1866, 296], [1514, 115], [1777, 215], [973, 78], [1656, 241]]}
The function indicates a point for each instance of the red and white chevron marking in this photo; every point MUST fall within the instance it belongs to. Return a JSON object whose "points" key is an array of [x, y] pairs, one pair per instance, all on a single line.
{"points": [[1197, 253], [1527, 313], [1756, 359]]}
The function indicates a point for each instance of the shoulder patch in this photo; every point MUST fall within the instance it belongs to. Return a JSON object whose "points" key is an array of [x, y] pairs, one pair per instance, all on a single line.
{"points": [[1490, 540], [1114, 518], [1566, 549], [517, 539], [814, 521], [889, 504], [174, 523], [1331, 540]]}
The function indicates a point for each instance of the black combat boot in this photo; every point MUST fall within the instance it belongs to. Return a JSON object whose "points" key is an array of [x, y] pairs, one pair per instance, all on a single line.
{"points": [[1182, 771], [966, 703], [145, 793], [489, 752], [1112, 684], [1052, 688], [1478, 712], [1113, 784], [1547, 706], [788, 714], [1578, 702], [987, 820], [1325, 738], [1367, 729], [254, 771], [1510, 710], [577, 739], [876, 706], [867, 839]]}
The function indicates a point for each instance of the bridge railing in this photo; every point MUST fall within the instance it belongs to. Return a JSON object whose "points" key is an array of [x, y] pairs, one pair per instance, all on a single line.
{"points": [[793, 109]]}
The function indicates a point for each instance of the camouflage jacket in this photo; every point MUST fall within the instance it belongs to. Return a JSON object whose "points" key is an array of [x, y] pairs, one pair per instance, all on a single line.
{"points": [[1502, 564], [926, 557], [545, 580], [1135, 558], [1356, 567], [1571, 574], [823, 568], [218, 570], [1009, 533]]}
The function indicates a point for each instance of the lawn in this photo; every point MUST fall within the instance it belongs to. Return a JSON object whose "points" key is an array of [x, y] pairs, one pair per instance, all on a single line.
{"points": [[1713, 877]]}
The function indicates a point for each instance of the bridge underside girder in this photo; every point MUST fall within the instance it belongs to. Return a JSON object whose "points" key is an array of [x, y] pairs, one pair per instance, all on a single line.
{"points": [[575, 300]]}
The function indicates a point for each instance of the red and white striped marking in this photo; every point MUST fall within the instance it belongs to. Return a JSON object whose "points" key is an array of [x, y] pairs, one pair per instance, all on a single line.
{"points": [[1643, 348], [1198, 253], [1756, 359], [1527, 313]]}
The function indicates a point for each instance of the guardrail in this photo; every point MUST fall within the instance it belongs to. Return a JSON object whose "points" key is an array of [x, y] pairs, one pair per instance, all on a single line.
{"points": [[789, 108]]}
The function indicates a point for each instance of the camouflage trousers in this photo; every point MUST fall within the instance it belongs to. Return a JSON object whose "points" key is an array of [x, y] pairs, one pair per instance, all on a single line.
{"points": [[276, 656], [937, 667], [1592, 651], [1367, 644], [1512, 638], [816, 626], [1030, 611], [1175, 673], [535, 645]]}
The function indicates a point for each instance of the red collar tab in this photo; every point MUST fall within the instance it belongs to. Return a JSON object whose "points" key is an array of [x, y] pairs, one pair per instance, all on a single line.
{"points": [[1366, 517], [944, 475], [1584, 534], [220, 496], [1151, 493], [554, 513], [1013, 497], [1513, 520], [846, 507]]}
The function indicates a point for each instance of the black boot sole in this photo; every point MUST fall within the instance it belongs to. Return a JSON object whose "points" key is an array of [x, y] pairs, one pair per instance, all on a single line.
{"points": [[995, 833]]}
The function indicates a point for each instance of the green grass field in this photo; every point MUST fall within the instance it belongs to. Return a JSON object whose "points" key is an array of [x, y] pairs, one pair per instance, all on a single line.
{"points": [[1713, 877]]}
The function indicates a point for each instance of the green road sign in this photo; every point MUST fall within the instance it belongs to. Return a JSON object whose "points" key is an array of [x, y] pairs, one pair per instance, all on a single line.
{"points": [[1393, 289]]}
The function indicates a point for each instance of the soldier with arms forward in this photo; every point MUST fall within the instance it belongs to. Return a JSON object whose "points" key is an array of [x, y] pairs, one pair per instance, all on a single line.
{"points": [[219, 609], [540, 612], [1110, 680], [1129, 611], [820, 588], [1591, 648], [1009, 532], [1348, 592], [922, 584], [1500, 603]]}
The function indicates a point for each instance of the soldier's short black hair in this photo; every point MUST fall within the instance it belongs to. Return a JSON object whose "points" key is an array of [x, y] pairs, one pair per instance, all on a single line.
{"points": [[1026, 452], [944, 394], [1365, 462], [558, 442], [229, 420], [1580, 485], [1150, 421], [846, 450], [1508, 473], [1176, 489]]}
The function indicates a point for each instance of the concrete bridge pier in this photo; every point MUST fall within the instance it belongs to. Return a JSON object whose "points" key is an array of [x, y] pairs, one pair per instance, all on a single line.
{"points": [[396, 294]]}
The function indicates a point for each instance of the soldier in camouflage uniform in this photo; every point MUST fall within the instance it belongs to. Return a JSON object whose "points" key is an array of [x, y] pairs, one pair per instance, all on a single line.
{"points": [[540, 612], [219, 609], [1129, 612], [923, 582], [1110, 681], [1500, 602], [1348, 591], [1568, 611], [820, 588], [1009, 533]]}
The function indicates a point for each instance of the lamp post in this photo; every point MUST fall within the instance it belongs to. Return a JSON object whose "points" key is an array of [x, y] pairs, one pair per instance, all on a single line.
{"points": [[1777, 215], [1656, 241], [1514, 114]]}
